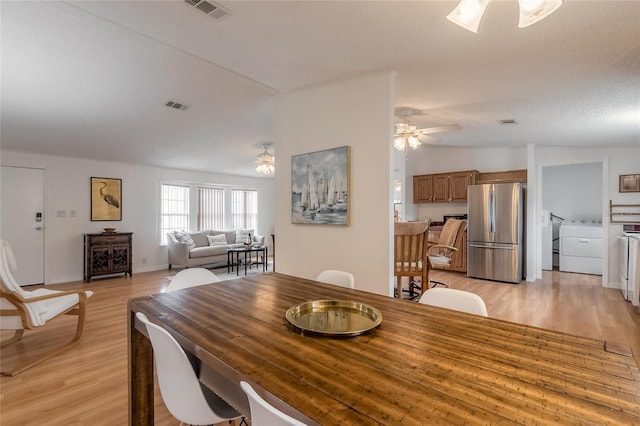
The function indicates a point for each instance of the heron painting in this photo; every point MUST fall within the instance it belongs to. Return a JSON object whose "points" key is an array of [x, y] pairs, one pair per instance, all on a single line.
{"points": [[106, 199]]}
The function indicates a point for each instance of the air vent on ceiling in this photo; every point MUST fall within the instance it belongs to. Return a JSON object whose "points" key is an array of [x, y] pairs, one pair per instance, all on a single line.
{"points": [[508, 121], [177, 105], [212, 9]]}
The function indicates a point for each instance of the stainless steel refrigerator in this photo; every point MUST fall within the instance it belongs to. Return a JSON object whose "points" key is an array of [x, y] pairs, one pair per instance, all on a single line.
{"points": [[496, 232]]}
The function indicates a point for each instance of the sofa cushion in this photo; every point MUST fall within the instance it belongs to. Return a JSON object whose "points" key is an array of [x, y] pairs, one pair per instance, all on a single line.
{"points": [[200, 238], [242, 234], [207, 251], [231, 236], [217, 240], [184, 237]]}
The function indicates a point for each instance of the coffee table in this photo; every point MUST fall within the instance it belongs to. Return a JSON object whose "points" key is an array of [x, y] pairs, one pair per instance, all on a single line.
{"points": [[247, 251]]}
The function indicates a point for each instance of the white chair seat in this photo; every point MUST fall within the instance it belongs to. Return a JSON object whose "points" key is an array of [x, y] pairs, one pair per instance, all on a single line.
{"points": [[341, 278], [457, 300], [265, 414], [39, 312], [440, 260], [192, 277]]}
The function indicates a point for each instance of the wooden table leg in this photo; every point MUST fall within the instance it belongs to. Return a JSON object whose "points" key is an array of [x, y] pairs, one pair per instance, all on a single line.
{"points": [[140, 376]]}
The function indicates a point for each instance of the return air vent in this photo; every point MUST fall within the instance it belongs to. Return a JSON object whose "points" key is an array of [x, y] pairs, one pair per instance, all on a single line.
{"points": [[212, 9], [177, 105]]}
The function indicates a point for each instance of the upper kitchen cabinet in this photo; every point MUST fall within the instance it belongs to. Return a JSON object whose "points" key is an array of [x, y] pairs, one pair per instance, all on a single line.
{"points": [[443, 187]]}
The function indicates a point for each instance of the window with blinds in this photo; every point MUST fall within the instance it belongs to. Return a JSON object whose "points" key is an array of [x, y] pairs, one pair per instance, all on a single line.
{"points": [[210, 208], [244, 208], [174, 210]]}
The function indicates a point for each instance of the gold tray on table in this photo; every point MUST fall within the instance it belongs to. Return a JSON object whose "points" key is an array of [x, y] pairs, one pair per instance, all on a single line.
{"points": [[340, 318]]}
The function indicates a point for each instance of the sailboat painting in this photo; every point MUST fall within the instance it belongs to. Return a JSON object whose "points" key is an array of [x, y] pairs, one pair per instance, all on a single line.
{"points": [[320, 187]]}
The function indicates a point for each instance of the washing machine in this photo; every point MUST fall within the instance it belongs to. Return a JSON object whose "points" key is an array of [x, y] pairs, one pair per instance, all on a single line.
{"points": [[581, 247]]}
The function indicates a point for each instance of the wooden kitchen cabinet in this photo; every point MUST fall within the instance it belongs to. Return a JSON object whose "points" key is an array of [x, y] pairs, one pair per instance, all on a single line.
{"points": [[423, 189], [107, 253], [443, 187], [459, 263]]}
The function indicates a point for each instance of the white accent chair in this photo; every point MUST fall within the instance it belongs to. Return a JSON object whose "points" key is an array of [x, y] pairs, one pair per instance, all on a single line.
{"points": [[22, 310], [457, 300], [192, 277], [263, 413], [186, 399], [341, 278]]}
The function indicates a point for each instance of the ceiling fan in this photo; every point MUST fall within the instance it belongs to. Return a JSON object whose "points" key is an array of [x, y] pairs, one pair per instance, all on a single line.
{"points": [[409, 134]]}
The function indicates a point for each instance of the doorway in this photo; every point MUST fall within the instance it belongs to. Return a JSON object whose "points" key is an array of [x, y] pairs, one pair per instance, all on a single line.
{"points": [[572, 198], [22, 220]]}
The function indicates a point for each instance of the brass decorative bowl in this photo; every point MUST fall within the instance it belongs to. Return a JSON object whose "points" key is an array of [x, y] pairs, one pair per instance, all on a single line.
{"points": [[336, 318], [109, 230]]}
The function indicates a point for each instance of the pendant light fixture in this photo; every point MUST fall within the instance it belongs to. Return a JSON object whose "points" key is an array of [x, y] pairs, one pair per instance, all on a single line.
{"points": [[468, 13], [266, 161]]}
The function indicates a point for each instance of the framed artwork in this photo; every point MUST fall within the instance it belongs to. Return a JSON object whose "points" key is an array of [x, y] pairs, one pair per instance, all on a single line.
{"points": [[629, 183], [106, 199], [320, 187]]}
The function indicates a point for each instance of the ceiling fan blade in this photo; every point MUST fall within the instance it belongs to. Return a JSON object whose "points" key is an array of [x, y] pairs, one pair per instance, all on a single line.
{"points": [[440, 129], [429, 140]]}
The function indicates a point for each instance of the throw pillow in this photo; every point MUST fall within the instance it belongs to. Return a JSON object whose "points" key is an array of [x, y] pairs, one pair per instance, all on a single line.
{"points": [[200, 239], [217, 240], [242, 234], [184, 237]]}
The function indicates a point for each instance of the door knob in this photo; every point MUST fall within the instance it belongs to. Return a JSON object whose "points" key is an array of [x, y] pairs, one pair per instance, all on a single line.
{"points": [[38, 228]]}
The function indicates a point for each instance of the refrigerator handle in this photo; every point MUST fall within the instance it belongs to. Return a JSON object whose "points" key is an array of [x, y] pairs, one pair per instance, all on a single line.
{"points": [[492, 210]]}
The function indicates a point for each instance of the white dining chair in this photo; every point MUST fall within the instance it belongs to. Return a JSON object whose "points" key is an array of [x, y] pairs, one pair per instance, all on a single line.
{"points": [[186, 399], [192, 277], [265, 414], [458, 300], [341, 278]]}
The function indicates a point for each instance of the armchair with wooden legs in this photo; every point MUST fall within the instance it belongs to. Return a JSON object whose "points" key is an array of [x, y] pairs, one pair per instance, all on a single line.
{"points": [[410, 256], [22, 310], [441, 254]]}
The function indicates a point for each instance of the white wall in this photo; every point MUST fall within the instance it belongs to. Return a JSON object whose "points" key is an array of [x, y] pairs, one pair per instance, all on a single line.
{"points": [[67, 188], [563, 191], [430, 159], [358, 113]]}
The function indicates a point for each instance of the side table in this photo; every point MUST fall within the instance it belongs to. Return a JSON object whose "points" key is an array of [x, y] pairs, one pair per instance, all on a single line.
{"points": [[233, 258]]}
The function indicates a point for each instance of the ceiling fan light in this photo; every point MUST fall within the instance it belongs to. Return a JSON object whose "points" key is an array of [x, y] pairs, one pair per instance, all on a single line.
{"points": [[468, 14], [399, 143], [265, 162], [532, 11], [413, 142]]}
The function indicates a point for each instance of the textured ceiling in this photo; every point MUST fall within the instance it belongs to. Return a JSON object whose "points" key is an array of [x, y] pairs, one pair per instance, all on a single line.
{"points": [[90, 79]]}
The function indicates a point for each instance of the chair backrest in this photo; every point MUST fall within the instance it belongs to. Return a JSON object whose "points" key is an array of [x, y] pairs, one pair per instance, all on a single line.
{"points": [[265, 414], [410, 248], [457, 300], [7, 268], [31, 311], [450, 231], [178, 382], [341, 278], [192, 277]]}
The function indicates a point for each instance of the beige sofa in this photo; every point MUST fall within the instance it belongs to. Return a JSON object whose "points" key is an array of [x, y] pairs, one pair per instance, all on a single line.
{"points": [[188, 249]]}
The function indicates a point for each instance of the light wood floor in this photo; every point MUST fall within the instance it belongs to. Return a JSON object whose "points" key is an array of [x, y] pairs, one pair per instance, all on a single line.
{"points": [[87, 385]]}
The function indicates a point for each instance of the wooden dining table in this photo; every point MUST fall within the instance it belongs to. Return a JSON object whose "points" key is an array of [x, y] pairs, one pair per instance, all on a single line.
{"points": [[421, 365]]}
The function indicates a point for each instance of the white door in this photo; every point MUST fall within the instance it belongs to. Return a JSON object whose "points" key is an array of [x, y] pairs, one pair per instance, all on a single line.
{"points": [[22, 220]]}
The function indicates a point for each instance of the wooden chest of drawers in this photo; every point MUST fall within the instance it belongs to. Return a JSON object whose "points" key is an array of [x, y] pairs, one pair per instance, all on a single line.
{"points": [[108, 253]]}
